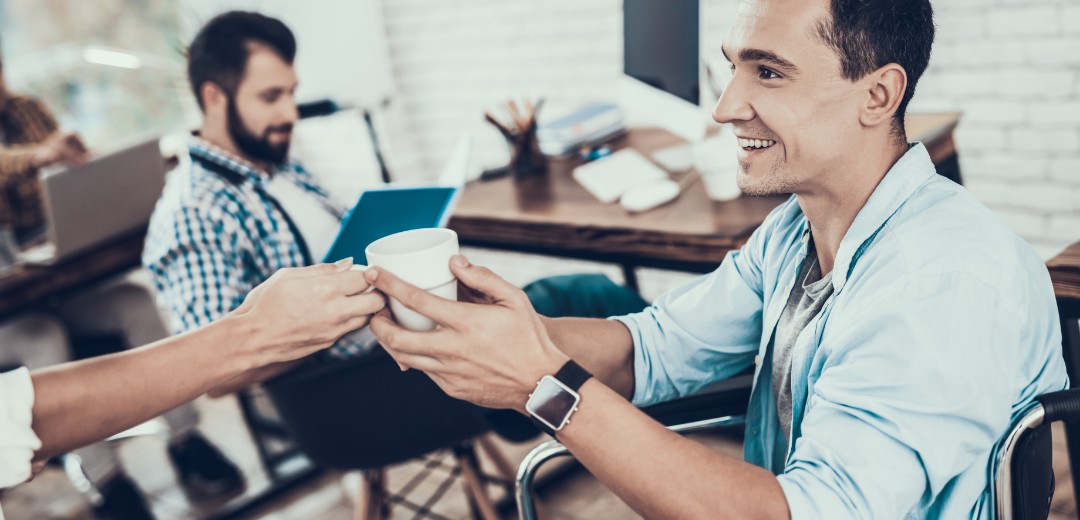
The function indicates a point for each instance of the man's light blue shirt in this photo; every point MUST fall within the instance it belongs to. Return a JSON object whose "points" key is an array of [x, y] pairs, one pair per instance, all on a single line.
{"points": [[941, 329]]}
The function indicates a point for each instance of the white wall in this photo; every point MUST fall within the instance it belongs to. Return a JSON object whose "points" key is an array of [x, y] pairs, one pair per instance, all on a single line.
{"points": [[451, 59], [341, 51], [1012, 67]]}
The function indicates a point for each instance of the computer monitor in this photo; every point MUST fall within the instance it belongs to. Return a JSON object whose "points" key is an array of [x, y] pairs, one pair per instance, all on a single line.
{"points": [[661, 46]]}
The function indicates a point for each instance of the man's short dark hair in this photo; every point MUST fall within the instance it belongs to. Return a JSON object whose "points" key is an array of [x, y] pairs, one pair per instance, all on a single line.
{"points": [[868, 34], [219, 52]]}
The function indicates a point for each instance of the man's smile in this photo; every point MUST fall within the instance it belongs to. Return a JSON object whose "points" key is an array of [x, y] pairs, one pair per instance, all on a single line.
{"points": [[750, 144], [750, 148]]}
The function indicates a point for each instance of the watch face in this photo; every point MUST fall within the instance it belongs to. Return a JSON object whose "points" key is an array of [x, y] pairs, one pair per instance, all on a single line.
{"points": [[552, 402]]}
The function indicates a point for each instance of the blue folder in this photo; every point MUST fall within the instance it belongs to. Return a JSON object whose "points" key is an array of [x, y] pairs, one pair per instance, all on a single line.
{"points": [[384, 211]]}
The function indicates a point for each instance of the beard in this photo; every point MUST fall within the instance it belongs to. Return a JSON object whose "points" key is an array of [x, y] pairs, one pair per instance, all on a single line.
{"points": [[256, 147], [779, 180]]}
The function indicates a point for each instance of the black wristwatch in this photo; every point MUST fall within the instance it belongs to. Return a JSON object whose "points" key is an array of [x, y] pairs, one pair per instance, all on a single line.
{"points": [[556, 397]]}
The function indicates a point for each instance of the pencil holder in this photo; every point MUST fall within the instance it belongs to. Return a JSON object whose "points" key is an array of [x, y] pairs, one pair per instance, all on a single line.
{"points": [[525, 156], [520, 135]]}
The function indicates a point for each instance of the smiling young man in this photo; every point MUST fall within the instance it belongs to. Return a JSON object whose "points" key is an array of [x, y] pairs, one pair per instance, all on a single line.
{"points": [[896, 326]]}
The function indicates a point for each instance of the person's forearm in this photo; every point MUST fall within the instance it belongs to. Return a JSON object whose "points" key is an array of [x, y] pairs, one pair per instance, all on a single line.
{"points": [[603, 347], [251, 377], [661, 474], [16, 164], [79, 403], [293, 314]]}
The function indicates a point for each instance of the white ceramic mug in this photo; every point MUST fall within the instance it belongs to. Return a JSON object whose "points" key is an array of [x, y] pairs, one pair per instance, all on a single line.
{"points": [[714, 160], [420, 257]]}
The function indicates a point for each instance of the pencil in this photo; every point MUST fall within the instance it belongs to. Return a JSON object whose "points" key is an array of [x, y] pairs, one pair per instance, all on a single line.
{"points": [[498, 124], [516, 114]]}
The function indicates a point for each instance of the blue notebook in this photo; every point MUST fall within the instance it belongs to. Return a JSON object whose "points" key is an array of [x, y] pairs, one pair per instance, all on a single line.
{"points": [[384, 211]]}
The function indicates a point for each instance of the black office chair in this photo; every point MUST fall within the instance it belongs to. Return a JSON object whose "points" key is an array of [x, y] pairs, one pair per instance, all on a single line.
{"points": [[366, 414], [1024, 478], [275, 449], [1024, 474]]}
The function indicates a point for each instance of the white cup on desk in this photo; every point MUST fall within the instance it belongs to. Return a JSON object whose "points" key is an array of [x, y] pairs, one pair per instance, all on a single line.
{"points": [[716, 162], [420, 257]]}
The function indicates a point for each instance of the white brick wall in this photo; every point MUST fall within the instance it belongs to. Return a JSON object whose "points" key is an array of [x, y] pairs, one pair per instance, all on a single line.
{"points": [[1019, 140], [453, 59], [1012, 67]]}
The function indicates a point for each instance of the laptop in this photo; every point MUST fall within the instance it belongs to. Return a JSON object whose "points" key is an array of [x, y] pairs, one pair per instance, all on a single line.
{"points": [[109, 196]]}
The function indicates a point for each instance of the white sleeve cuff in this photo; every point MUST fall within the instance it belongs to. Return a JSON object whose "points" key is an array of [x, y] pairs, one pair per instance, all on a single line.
{"points": [[17, 439]]}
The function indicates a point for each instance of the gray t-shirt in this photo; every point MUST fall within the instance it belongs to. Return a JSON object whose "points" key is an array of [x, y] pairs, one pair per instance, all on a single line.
{"points": [[804, 303]]}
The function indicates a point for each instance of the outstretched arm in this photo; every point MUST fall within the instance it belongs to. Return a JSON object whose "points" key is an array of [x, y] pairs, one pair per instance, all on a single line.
{"points": [[293, 314]]}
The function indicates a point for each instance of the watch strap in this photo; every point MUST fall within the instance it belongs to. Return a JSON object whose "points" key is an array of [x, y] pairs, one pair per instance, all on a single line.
{"points": [[572, 375]]}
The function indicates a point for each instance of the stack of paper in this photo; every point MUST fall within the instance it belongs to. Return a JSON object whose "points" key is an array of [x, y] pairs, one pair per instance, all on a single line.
{"points": [[586, 125]]}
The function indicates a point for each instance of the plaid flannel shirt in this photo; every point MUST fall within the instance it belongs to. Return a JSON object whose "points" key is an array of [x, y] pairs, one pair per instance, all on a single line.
{"points": [[216, 234], [24, 123]]}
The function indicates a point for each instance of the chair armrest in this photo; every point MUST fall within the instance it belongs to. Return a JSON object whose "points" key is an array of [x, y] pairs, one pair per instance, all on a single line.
{"points": [[552, 449], [1061, 406], [729, 399]]}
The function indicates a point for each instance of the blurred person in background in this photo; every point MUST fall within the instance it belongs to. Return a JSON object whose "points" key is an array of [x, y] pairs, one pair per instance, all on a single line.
{"points": [[121, 308], [30, 140], [239, 208]]}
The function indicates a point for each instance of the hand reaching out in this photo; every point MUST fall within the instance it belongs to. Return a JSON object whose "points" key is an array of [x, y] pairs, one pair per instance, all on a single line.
{"points": [[490, 349], [301, 311]]}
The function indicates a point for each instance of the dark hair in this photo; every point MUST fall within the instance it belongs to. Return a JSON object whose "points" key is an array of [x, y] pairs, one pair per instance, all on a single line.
{"points": [[868, 34], [220, 50]]}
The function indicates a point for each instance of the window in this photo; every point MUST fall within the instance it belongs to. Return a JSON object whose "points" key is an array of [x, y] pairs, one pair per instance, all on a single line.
{"points": [[110, 69]]}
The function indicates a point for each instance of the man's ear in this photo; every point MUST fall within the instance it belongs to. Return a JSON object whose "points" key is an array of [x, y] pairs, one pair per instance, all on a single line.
{"points": [[885, 90], [213, 96]]}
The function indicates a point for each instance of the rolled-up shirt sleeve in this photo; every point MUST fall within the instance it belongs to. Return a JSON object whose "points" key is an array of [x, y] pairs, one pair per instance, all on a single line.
{"points": [[17, 439], [702, 332]]}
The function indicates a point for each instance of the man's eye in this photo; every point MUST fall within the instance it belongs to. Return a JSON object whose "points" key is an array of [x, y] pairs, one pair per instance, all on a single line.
{"points": [[767, 73]]}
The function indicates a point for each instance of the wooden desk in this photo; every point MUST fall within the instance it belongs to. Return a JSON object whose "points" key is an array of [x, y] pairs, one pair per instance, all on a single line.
{"points": [[29, 284], [1065, 272], [1065, 275], [553, 215], [549, 214]]}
